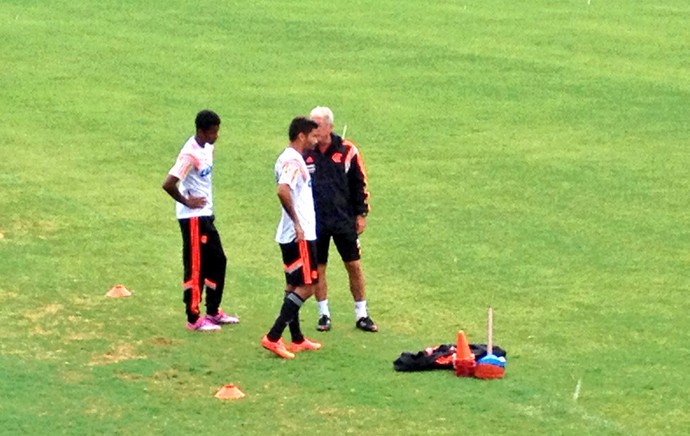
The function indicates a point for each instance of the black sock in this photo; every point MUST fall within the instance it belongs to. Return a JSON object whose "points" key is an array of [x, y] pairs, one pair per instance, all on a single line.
{"points": [[295, 330], [288, 312]]}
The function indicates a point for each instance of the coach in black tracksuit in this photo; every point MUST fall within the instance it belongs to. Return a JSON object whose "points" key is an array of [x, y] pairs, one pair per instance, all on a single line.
{"points": [[342, 204]]}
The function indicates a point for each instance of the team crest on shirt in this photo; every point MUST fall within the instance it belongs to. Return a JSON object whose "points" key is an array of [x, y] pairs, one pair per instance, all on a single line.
{"points": [[337, 157], [206, 171]]}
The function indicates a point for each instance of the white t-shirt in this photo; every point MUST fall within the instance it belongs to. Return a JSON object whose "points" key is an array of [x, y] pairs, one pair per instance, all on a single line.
{"points": [[291, 170], [194, 168]]}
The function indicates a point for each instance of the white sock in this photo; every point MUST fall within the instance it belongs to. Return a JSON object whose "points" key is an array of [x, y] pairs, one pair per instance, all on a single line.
{"points": [[361, 309], [323, 308]]}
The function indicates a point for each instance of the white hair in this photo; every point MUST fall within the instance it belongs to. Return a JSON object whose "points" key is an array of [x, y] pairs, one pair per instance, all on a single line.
{"points": [[322, 112]]}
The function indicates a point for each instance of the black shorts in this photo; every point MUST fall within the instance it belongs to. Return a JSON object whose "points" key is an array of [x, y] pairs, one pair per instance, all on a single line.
{"points": [[299, 261], [346, 243]]}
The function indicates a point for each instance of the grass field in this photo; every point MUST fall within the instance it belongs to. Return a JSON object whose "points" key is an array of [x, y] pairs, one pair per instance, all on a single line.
{"points": [[532, 156]]}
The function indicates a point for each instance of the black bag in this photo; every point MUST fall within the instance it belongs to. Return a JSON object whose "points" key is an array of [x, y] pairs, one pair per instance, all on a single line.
{"points": [[439, 357]]}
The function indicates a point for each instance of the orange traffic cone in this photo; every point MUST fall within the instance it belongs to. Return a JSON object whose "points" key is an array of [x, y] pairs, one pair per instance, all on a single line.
{"points": [[229, 392], [118, 291], [464, 362]]}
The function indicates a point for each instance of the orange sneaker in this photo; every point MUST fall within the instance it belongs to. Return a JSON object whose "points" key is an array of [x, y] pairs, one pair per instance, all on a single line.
{"points": [[305, 345], [278, 347]]}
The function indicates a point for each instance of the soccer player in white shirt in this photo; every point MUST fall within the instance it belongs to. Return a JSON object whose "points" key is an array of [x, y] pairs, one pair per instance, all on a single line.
{"points": [[296, 236], [189, 183]]}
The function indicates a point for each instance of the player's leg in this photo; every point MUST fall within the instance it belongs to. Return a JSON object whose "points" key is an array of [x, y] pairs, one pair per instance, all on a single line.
{"points": [[308, 252], [299, 260], [356, 279], [214, 265], [294, 325], [321, 289], [193, 281], [349, 248]]}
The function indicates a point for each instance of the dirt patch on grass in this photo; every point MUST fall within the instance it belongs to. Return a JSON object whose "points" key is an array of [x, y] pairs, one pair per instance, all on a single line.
{"points": [[100, 408], [73, 376], [41, 229], [7, 295], [120, 353], [38, 330], [83, 336], [43, 312], [166, 375], [127, 376], [161, 342]]}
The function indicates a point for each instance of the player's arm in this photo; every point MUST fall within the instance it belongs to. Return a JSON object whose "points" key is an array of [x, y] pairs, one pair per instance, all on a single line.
{"points": [[170, 186], [283, 191], [178, 172], [357, 180]]}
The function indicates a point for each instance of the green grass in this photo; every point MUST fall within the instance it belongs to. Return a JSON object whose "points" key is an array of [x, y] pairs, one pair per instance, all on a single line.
{"points": [[529, 156]]}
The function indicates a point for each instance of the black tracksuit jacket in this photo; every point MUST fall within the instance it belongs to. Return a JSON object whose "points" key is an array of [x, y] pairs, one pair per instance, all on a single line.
{"points": [[339, 183]]}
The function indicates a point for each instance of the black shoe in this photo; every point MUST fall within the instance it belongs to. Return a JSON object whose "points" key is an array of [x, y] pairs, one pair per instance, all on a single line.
{"points": [[366, 324], [324, 324]]}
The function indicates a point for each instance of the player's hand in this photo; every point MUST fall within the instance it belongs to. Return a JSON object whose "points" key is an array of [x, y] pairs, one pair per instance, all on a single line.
{"points": [[360, 224], [299, 233], [195, 202]]}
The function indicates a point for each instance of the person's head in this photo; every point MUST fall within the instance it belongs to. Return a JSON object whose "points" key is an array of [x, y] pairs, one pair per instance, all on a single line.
{"points": [[207, 126], [302, 132], [324, 118]]}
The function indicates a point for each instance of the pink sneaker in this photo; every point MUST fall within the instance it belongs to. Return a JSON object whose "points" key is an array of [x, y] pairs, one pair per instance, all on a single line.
{"points": [[222, 318], [203, 325]]}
